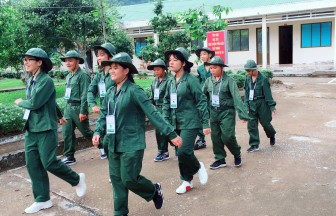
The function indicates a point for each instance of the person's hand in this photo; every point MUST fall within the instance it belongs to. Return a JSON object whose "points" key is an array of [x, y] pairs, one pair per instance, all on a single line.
{"points": [[177, 141], [96, 109], [274, 112], [206, 131], [17, 101], [95, 140], [62, 121], [82, 117]]}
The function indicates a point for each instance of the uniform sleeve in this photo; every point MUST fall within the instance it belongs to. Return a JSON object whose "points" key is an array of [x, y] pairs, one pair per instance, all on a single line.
{"points": [[101, 121], [200, 100], [246, 89], [205, 88], [268, 94], [166, 102], [199, 75], [151, 97], [83, 88], [59, 112], [93, 91], [43, 91], [237, 101], [154, 116]]}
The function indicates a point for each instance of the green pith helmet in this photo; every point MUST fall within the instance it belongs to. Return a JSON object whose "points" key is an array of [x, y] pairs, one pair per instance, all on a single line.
{"points": [[40, 54], [206, 49], [182, 51], [73, 54], [108, 47], [157, 63], [216, 60], [122, 58], [250, 65]]}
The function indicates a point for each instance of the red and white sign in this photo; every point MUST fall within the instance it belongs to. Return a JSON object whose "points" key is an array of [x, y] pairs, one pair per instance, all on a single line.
{"points": [[216, 42]]}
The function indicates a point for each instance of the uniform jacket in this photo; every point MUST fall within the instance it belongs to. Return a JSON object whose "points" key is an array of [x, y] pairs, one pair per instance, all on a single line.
{"points": [[163, 86], [203, 74], [191, 111], [131, 108]]}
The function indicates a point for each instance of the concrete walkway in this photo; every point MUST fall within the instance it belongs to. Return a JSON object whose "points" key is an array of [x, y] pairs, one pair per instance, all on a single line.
{"points": [[295, 177]]}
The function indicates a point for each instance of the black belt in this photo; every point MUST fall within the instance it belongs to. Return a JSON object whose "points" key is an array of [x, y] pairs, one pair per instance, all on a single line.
{"points": [[218, 108], [160, 106], [72, 103]]}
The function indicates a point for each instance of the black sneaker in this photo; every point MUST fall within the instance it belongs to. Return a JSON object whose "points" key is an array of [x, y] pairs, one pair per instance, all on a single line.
{"points": [[272, 141], [253, 149], [158, 196], [218, 164], [200, 144], [69, 161], [237, 161]]}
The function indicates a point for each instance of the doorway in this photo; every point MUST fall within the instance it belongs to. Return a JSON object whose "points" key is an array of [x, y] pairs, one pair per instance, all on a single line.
{"points": [[286, 44]]}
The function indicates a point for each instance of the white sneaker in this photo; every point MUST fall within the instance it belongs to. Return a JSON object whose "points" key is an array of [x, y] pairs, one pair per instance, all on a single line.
{"points": [[81, 187], [103, 155], [202, 174], [37, 206], [184, 187]]}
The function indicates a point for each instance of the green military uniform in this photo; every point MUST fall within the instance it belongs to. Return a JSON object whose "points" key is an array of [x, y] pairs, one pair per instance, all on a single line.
{"points": [[76, 104], [223, 115], [203, 74], [162, 141], [188, 118], [260, 106], [100, 80], [41, 138], [126, 146]]}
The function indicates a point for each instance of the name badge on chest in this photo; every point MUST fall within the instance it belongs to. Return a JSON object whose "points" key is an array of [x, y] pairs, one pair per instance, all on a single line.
{"points": [[110, 124], [156, 93], [173, 100], [215, 100], [251, 95], [67, 93], [102, 89], [26, 114]]}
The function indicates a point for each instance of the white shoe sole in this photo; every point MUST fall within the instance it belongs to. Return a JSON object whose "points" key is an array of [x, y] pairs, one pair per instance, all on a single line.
{"points": [[220, 166]]}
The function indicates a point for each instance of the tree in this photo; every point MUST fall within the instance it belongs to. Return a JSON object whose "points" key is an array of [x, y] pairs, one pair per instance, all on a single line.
{"points": [[197, 23], [163, 24]]}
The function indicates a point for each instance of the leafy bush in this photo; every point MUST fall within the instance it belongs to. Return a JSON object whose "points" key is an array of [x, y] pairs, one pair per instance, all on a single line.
{"points": [[10, 74], [267, 73], [11, 118]]}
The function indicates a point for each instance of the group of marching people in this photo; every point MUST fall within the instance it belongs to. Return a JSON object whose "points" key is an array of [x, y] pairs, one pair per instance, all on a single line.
{"points": [[181, 108]]}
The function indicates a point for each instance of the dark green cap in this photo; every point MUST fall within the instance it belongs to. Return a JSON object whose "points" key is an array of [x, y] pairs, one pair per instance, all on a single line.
{"points": [[40, 54], [182, 51], [206, 49], [122, 58], [108, 47], [250, 65], [73, 54], [216, 60], [157, 63]]}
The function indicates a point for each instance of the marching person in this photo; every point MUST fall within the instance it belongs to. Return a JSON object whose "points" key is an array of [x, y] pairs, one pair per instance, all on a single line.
{"points": [[158, 88], [185, 107], [122, 121], [41, 138], [258, 98], [223, 94], [76, 110], [101, 82], [204, 54]]}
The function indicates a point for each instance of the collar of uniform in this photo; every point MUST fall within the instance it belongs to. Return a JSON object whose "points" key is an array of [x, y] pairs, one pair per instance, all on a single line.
{"points": [[183, 78], [125, 85], [213, 79], [39, 76]]}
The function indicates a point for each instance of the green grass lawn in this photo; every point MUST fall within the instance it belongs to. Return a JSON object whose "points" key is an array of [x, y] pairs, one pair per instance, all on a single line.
{"points": [[13, 83], [10, 97]]}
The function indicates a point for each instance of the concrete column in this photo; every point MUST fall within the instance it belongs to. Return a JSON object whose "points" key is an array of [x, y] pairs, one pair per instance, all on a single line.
{"points": [[156, 39], [264, 42], [334, 42]]}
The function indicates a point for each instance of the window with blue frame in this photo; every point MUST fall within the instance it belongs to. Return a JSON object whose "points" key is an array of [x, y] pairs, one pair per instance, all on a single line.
{"points": [[316, 35]]}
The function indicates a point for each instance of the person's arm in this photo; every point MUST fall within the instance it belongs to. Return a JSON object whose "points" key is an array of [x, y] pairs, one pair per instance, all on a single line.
{"points": [[201, 102], [154, 116], [151, 97], [166, 102], [237, 101], [84, 83], [268, 94], [246, 90], [42, 93], [101, 121], [93, 91]]}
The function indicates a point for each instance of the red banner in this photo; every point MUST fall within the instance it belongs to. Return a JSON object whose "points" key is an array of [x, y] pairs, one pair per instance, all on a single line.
{"points": [[216, 42]]}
